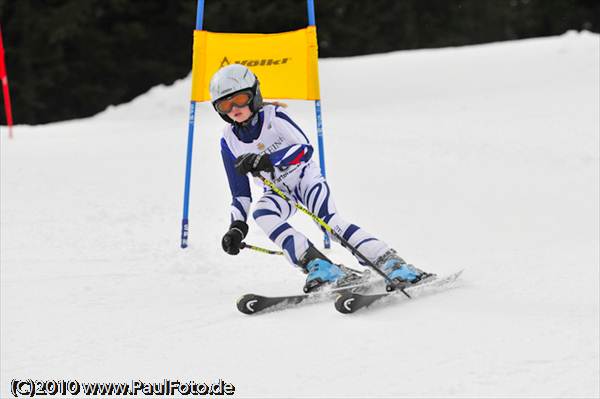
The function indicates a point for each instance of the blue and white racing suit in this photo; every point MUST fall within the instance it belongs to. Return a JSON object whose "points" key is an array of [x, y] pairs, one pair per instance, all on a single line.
{"points": [[273, 132]]}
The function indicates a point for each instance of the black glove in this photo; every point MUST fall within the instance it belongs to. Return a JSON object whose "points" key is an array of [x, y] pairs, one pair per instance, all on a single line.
{"points": [[253, 163], [232, 240]]}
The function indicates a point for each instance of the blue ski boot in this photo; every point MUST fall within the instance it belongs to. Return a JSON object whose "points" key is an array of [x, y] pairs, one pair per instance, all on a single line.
{"points": [[321, 272], [401, 273]]}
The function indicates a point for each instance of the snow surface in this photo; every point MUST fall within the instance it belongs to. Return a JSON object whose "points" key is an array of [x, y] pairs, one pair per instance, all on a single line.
{"points": [[483, 157]]}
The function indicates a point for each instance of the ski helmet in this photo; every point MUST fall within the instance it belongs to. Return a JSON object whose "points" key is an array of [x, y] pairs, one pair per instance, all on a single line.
{"points": [[232, 79]]}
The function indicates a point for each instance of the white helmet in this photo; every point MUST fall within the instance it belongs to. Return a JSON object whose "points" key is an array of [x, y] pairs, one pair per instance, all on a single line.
{"points": [[232, 79]]}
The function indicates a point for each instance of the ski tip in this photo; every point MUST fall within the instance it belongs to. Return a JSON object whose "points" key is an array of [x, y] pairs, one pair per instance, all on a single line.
{"points": [[344, 302], [247, 303]]}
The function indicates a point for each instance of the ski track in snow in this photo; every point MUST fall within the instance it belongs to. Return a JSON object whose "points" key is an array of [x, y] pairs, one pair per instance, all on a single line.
{"points": [[483, 157]]}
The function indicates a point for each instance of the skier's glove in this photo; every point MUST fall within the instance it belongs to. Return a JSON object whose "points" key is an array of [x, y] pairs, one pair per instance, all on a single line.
{"points": [[232, 240], [253, 163]]}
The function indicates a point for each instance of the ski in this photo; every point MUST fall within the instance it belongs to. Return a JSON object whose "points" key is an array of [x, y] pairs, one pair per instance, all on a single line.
{"points": [[350, 302], [252, 304]]}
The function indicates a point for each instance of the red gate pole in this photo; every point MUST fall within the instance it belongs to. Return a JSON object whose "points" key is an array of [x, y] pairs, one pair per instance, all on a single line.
{"points": [[4, 78]]}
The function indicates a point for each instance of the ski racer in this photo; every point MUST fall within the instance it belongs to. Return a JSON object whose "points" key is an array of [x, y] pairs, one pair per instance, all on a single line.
{"points": [[260, 138]]}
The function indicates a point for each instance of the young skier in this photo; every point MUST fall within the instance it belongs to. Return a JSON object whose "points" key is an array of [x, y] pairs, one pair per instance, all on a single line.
{"points": [[261, 139]]}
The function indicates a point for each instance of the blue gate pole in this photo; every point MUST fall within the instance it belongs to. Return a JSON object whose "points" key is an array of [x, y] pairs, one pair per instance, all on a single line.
{"points": [[310, 4], [188, 164]]}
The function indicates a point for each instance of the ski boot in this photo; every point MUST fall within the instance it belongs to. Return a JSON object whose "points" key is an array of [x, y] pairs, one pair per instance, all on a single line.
{"points": [[402, 274], [322, 272]]}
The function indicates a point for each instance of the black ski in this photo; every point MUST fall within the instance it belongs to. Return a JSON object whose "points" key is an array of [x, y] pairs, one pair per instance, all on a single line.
{"points": [[252, 304], [350, 302]]}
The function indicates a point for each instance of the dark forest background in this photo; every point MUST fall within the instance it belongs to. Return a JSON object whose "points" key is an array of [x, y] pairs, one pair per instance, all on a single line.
{"points": [[72, 58]]}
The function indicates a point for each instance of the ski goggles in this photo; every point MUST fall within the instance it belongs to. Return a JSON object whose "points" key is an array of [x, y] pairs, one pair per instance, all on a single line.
{"points": [[238, 100]]}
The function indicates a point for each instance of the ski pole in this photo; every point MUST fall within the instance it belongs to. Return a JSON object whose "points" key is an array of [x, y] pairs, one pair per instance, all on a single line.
{"points": [[259, 249], [273, 252], [391, 286]]}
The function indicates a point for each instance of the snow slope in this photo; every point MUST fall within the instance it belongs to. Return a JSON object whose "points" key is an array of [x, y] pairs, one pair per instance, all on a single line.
{"points": [[483, 157]]}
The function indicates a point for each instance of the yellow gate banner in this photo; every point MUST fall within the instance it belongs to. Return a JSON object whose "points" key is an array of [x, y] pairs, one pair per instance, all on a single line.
{"points": [[286, 63]]}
